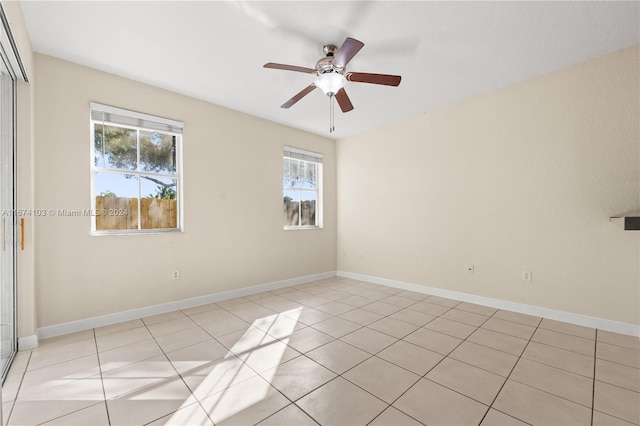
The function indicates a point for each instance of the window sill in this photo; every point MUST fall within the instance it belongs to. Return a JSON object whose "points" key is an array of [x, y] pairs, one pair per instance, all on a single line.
{"points": [[302, 228], [145, 232]]}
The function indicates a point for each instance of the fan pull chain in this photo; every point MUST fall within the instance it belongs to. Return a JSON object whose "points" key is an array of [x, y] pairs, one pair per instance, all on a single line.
{"points": [[332, 126]]}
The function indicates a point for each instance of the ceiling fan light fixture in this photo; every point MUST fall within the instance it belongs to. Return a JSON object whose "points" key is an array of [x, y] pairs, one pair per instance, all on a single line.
{"points": [[330, 82]]}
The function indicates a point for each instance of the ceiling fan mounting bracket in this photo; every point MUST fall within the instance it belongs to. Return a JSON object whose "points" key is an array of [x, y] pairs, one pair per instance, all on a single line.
{"points": [[329, 50]]}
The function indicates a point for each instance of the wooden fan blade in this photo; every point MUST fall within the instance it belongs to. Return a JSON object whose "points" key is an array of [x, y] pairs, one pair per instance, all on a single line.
{"points": [[363, 77], [288, 67], [343, 100], [304, 92], [347, 51]]}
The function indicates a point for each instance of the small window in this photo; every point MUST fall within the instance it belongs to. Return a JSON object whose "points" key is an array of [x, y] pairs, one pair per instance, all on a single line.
{"points": [[302, 181], [135, 166]]}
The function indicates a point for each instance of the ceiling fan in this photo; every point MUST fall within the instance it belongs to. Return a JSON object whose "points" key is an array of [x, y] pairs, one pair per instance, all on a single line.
{"points": [[331, 75]]}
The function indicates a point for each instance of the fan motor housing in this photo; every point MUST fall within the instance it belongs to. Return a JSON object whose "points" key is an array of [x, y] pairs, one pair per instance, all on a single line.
{"points": [[325, 65]]}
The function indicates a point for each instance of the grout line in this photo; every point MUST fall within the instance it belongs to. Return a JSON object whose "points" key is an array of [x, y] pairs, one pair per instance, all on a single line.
{"points": [[104, 392], [19, 387]]}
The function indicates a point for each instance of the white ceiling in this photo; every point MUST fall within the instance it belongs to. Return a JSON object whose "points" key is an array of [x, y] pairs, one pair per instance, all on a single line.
{"points": [[445, 51]]}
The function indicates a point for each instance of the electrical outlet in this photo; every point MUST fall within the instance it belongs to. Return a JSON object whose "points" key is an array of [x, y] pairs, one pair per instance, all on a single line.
{"points": [[526, 276], [175, 275], [470, 268]]}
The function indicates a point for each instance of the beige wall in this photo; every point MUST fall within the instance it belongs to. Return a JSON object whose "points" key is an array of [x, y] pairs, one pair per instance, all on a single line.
{"points": [[233, 219], [523, 178]]}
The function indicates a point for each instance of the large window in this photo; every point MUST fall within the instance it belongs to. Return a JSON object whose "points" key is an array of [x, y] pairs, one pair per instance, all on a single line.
{"points": [[302, 181], [135, 162]]}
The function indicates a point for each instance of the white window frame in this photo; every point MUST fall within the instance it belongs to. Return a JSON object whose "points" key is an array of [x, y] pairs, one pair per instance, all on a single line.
{"points": [[314, 157], [126, 119]]}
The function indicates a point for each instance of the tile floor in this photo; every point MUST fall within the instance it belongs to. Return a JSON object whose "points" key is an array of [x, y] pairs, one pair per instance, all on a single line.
{"points": [[331, 352]]}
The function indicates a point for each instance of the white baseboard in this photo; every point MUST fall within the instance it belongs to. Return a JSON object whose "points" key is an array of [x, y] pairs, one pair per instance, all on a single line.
{"points": [[27, 342], [99, 321], [579, 319]]}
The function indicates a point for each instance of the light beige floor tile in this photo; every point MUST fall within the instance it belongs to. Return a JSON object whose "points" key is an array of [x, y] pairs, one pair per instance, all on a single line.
{"points": [[412, 357], [565, 341], [524, 402], [149, 403], [618, 374], [197, 356], [452, 328], [20, 362], [575, 388], [361, 316], [163, 328], [476, 309], [413, 295], [120, 326], [290, 415], [307, 339], [369, 340], [602, 419], [242, 341], [7, 407], [61, 353], [308, 316], [95, 415], [413, 317], [122, 338], [465, 317], [214, 376], [280, 326], [279, 304], [340, 402], [383, 379], [125, 355], [190, 415], [560, 358], [268, 356], [429, 308], [64, 339], [163, 317], [617, 339], [182, 339], [220, 328], [248, 402], [478, 384], [484, 357], [502, 342], [431, 403], [432, 340], [399, 301], [382, 308], [136, 376], [518, 317], [357, 301], [298, 377], [567, 328], [496, 418], [619, 354], [313, 301], [31, 409], [338, 356], [336, 327], [212, 315], [511, 328], [43, 380], [335, 308], [443, 301], [10, 387], [394, 417], [616, 401], [251, 311], [393, 327], [376, 294], [200, 308]]}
